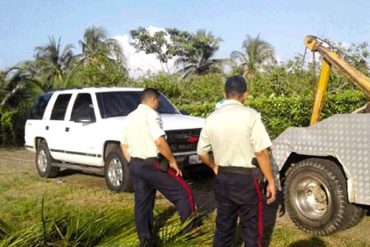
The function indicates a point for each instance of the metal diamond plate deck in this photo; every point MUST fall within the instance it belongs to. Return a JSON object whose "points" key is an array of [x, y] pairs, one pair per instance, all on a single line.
{"points": [[344, 136]]}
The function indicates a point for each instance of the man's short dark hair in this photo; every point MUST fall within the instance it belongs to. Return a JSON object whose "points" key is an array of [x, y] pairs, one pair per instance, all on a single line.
{"points": [[235, 86], [149, 93]]}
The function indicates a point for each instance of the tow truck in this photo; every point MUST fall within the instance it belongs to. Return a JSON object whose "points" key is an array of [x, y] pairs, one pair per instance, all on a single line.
{"points": [[325, 168]]}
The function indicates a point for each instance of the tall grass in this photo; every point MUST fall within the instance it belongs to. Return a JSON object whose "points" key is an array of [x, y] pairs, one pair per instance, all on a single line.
{"points": [[60, 228], [173, 233], [5, 229], [106, 227], [78, 210]]}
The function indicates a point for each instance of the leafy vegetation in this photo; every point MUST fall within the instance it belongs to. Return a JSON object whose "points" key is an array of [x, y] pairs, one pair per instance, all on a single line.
{"points": [[196, 55], [193, 52], [53, 213], [52, 61], [78, 210], [257, 55], [281, 112], [282, 92], [30, 208], [101, 62]]}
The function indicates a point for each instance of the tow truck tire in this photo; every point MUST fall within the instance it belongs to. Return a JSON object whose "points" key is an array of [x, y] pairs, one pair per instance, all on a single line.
{"points": [[316, 197], [356, 215], [43, 162], [116, 171]]}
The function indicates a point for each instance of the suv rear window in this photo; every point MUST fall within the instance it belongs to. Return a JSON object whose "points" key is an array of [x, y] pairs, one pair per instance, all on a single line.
{"points": [[60, 107], [38, 109], [113, 104]]}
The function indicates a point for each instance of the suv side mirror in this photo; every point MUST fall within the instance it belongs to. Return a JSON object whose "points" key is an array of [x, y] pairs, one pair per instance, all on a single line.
{"points": [[184, 112], [85, 119]]}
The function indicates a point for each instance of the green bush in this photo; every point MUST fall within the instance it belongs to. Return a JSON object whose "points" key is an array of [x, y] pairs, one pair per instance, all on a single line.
{"points": [[282, 81], [12, 126], [168, 84], [199, 110], [279, 113], [191, 90], [344, 102], [284, 99], [201, 89]]}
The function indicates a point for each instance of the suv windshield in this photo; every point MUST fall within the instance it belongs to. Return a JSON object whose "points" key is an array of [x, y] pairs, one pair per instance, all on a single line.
{"points": [[121, 103]]}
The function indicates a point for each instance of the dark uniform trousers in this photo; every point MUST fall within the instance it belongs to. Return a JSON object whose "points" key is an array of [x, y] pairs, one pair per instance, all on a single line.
{"points": [[238, 195], [147, 179]]}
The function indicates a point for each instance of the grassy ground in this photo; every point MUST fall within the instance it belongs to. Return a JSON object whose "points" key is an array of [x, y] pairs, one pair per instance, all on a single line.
{"points": [[77, 210]]}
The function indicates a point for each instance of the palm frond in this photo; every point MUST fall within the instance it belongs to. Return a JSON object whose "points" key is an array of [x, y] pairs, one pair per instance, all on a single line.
{"points": [[19, 87]]}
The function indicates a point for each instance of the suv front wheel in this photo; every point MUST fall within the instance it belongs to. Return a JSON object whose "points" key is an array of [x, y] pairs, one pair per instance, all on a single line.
{"points": [[116, 171], [43, 162]]}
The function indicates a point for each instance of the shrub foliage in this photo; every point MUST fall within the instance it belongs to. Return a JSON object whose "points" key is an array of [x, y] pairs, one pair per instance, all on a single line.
{"points": [[199, 94]]}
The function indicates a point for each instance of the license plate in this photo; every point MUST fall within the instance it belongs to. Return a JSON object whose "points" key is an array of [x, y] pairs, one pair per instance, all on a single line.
{"points": [[194, 159]]}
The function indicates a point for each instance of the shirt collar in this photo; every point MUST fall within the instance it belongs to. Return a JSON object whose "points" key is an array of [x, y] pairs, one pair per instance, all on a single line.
{"points": [[231, 102], [146, 107]]}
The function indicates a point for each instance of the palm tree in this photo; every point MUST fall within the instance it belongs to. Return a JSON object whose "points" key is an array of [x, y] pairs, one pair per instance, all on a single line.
{"points": [[256, 53], [18, 91], [101, 62], [197, 58], [3, 92], [20, 85], [95, 45], [52, 61]]}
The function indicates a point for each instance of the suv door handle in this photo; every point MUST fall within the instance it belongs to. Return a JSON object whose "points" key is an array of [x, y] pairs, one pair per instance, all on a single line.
{"points": [[67, 129], [47, 127]]}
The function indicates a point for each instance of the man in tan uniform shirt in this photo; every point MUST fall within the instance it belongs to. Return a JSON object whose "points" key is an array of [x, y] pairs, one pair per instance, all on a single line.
{"points": [[144, 139], [236, 136]]}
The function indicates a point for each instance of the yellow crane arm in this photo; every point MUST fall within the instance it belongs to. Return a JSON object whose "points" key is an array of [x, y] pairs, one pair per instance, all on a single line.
{"points": [[331, 58]]}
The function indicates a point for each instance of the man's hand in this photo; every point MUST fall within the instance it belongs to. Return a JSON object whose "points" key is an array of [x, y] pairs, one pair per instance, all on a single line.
{"points": [[264, 162], [270, 193], [174, 166], [165, 150], [215, 169], [126, 154], [206, 159]]}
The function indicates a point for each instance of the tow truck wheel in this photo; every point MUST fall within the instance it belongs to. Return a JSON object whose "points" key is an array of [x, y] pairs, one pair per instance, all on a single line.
{"points": [[316, 197], [116, 171], [356, 215]]}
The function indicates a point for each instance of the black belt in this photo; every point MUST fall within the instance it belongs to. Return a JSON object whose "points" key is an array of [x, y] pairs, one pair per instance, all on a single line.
{"points": [[160, 164], [151, 159], [240, 170]]}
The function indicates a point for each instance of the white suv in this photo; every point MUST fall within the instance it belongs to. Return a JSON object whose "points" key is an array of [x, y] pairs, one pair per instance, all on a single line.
{"points": [[82, 128]]}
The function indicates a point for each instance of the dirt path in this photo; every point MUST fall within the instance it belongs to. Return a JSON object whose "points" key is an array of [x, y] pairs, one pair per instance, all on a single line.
{"points": [[21, 161]]}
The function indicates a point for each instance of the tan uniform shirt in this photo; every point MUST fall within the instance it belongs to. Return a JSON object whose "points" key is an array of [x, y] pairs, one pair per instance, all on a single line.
{"points": [[142, 127], [234, 133]]}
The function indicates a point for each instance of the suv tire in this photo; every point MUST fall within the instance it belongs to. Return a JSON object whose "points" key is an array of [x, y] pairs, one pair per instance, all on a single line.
{"points": [[116, 171], [43, 162], [316, 197]]}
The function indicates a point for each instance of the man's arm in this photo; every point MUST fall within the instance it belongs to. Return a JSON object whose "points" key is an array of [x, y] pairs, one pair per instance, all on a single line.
{"points": [[206, 159], [125, 152], [204, 148], [165, 150], [156, 131], [264, 162]]}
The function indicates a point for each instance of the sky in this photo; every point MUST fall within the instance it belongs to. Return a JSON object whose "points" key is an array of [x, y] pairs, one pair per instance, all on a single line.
{"points": [[25, 24]]}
